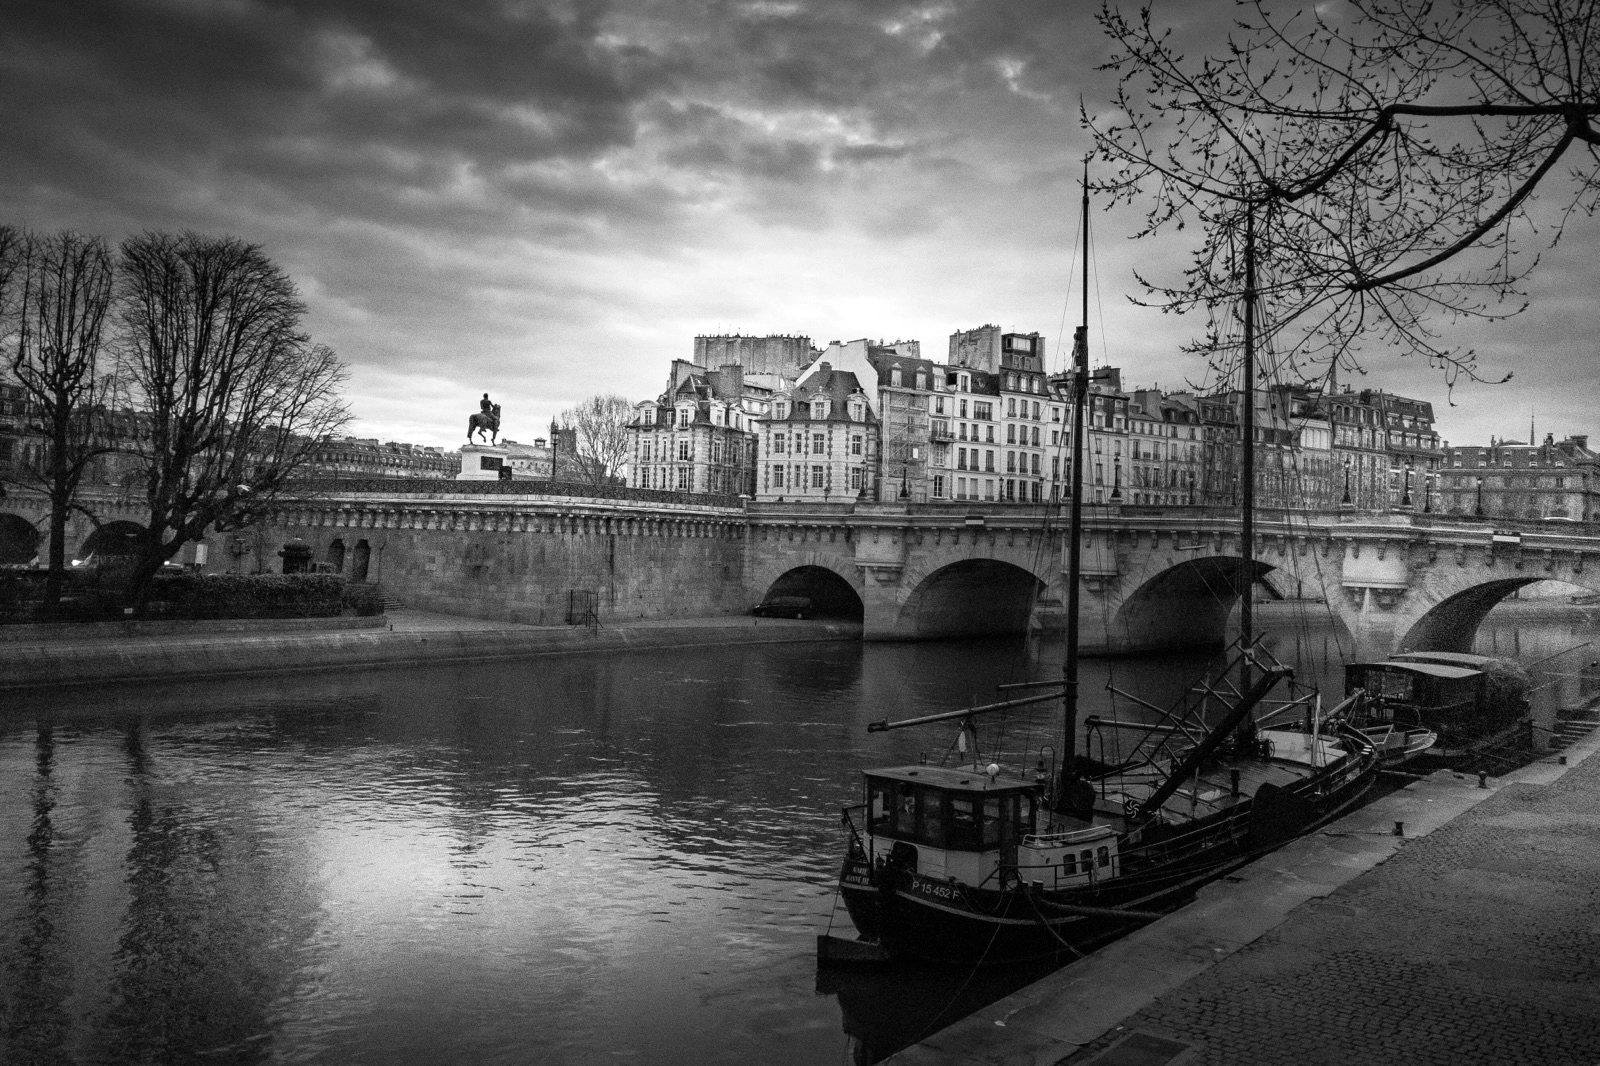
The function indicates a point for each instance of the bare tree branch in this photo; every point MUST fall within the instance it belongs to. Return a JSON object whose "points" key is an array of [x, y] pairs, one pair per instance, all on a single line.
{"points": [[55, 309], [601, 423], [232, 396], [1376, 152]]}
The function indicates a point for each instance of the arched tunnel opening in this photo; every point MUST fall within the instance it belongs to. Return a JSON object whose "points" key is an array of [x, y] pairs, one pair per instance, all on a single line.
{"points": [[19, 540], [1188, 605], [1452, 625], [827, 595], [112, 540], [973, 597]]}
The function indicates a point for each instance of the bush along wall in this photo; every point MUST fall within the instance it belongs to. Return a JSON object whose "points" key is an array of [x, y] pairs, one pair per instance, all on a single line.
{"points": [[255, 596]]}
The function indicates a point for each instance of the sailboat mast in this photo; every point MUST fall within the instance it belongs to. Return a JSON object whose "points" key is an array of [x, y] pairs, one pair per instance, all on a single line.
{"points": [[1247, 527], [1080, 396]]}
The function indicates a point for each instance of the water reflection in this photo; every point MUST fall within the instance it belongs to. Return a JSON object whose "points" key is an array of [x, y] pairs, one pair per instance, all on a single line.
{"points": [[555, 860]]}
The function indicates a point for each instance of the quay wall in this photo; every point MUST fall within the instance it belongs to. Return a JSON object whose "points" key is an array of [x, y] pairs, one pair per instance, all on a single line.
{"points": [[46, 665], [523, 558]]}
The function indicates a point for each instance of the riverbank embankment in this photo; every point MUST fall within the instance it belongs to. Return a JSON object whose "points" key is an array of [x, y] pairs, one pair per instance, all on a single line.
{"points": [[1472, 938], [117, 653]]}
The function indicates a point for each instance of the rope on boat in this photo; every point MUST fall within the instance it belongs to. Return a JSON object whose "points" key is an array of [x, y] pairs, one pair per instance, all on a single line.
{"points": [[1027, 894]]}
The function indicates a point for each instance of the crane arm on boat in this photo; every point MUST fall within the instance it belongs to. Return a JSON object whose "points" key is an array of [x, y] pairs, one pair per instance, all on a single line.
{"points": [[1214, 740], [946, 716]]}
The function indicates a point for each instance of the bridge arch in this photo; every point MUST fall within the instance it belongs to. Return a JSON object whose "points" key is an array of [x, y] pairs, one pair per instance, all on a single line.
{"points": [[19, 539], [1452, 623], [1185, 605], [112, 538], [830, 594], [971, 597]]}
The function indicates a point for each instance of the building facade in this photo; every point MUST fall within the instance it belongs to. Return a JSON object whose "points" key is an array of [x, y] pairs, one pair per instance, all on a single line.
{"points": [[820, 441], [1557, 481], [695, 437]]}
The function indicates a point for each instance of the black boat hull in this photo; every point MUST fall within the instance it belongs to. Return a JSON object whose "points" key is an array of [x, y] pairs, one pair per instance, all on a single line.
{"points": [[924, 919]]}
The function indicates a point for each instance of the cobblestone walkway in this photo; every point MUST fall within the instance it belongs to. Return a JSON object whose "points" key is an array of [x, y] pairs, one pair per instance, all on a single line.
{"points": [[1479, 943]]}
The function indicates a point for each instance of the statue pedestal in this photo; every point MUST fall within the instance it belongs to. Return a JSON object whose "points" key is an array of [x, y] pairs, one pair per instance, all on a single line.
{"points": [[482, 462]]}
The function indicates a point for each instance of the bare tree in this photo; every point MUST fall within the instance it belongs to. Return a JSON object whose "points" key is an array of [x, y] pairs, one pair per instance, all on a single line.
{"points": [[59, 293], [1386, 161], [232, 394], [601, 423]]}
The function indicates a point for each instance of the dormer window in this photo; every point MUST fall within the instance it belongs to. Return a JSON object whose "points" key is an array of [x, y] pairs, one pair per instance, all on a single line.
{"points": [[649, 418], [894, 377]]}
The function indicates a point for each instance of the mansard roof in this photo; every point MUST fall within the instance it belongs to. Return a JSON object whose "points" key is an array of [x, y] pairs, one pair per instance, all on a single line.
{"points": [[837, 386]]}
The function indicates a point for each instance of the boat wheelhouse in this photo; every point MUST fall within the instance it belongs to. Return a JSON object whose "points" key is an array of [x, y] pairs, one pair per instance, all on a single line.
{"points": [[1467, 700]]}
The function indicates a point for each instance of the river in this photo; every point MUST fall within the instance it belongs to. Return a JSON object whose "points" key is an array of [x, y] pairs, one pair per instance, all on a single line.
{"points": [[585, 859]]}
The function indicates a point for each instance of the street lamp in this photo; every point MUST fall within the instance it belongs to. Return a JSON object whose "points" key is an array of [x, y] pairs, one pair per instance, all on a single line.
{"points": [[1427, 493], [1116, 478], [1479, 510], [1345, 502], [1405, 496]]}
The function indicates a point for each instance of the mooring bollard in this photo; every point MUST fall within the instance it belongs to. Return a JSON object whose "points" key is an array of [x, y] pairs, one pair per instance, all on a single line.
{"points": [[1399, 829], [1483, 779]]}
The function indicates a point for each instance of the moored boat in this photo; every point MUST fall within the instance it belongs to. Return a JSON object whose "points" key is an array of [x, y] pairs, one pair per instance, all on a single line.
{"points": [[1468, 701], [979, 864], [982, 863]]}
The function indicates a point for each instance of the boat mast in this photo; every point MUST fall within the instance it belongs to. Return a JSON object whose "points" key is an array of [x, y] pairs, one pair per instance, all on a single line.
{"points": [[1080, 396], [1247, 457], [1247, 463]]}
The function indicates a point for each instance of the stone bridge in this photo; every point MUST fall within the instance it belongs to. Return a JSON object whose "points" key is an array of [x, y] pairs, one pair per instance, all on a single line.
{"points": [[1158, 578], [1152, 577]]}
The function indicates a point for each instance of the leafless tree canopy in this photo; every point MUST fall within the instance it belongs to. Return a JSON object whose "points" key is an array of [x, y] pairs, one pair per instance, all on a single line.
{"points": [[55, 292], [1389, 158], [601, 422], [234, 394]]}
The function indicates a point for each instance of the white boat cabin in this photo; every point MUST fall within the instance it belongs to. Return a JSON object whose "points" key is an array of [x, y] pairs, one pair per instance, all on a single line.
{"points": [[948, 823], [960, 824]]}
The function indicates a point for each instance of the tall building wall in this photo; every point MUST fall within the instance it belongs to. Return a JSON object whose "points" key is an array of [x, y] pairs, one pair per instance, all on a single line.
{"points": [[779, 354]]}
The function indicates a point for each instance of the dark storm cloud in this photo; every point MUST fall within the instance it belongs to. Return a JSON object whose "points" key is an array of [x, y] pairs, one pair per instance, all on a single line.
{"points": [[462, 186]]}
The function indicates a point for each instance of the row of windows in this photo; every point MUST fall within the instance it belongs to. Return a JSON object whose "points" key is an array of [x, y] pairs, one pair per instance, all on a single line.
{"points": [[1010, 490], [816, 476], [1016, 462], [685, 450], [781, 443]]}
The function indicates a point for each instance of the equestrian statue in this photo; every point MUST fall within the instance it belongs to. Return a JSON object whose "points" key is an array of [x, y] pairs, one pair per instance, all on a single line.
{"points": [[486, 421]]}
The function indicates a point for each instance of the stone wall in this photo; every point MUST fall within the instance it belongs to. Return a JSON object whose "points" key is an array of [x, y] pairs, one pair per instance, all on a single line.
{"points": [[519, 559]]}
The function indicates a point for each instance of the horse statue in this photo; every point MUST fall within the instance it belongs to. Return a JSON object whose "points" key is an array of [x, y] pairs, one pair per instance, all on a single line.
{"points": [[484, 423]]}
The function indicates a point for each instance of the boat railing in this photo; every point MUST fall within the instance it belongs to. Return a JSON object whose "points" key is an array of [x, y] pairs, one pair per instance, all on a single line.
{"points": [[1069, 836]]}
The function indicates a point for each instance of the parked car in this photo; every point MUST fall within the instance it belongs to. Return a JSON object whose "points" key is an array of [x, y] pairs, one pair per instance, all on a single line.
{"points": [[783, 607]]}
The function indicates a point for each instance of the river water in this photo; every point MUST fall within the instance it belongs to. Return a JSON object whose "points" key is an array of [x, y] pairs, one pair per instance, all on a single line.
{"points": [[590, 859]]}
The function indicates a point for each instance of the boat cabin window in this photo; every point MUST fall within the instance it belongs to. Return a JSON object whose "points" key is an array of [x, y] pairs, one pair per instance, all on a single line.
{"points": [[964, 824], [1069, 863], [1103, 856], [1389, 684], [932, 816]]}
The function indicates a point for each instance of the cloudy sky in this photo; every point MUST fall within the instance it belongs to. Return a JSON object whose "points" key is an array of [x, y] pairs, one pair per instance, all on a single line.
{"points": [[550, 200]]}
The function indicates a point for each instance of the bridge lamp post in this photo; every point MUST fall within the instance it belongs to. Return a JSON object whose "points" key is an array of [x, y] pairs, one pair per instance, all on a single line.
{"points": [[1427, 493], [1116, 478], [1345, 501], [1479, 509], [1405, 496]]}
